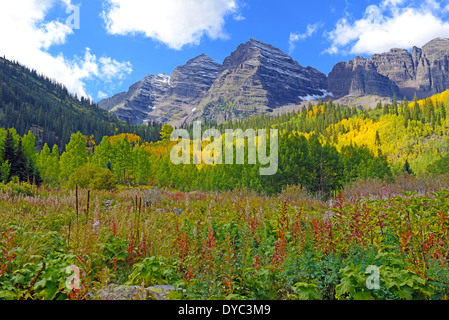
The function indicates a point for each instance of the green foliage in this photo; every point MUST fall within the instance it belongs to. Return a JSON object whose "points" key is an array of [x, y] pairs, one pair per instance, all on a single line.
{"points": [[14, 188], [353, 285], [396, 282], [153, 271], [5, 171], [17, 158], [92, 176], [305, 291], [440, 165], [231, 245]]}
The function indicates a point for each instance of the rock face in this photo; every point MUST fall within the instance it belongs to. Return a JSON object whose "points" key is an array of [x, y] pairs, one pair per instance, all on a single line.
{"points": [[163, 98], [257, 78], [141, 98], [424, 71], [254, 79], [186, 87], [358, 78]]}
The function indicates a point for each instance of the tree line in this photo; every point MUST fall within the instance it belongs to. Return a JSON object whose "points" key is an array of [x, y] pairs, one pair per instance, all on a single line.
{"points": [[127, 160], [29, 100]]}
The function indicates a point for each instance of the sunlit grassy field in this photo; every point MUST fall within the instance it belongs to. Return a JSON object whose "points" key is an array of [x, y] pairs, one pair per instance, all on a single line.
{"points": [[234, 245]]}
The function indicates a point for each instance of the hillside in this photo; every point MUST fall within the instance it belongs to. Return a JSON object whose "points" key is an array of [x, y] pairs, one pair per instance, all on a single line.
{"points": [[423, 72], [258, 78], [254, 79], [29, 101], [416, 132]]}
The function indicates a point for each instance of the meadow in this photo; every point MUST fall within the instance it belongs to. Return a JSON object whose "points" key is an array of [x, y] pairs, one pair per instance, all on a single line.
{"points": [[226, 245]]}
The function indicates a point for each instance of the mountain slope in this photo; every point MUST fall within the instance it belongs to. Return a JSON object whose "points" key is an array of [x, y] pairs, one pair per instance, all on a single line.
{"points": [[424, 71], [29, 101], [258, 78], [254, 79]]}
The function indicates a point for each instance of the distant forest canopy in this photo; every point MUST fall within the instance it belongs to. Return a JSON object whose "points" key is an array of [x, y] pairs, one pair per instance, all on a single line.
{"points": [[321, 148], [126, 160], [413, 132], [29, 101]]}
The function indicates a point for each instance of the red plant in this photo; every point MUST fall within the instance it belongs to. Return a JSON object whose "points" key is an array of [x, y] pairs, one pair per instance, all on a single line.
{"points": [[280, 245], [183, 249], [257, 263], [228, 267], [279, 251], [253, 224], [208, 252], [324, 235], [114, 228], [7, 249], [131, 251], [298, 231]]}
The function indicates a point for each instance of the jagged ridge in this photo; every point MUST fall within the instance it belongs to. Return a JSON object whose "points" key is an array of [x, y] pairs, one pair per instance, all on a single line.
{"points": [[258, 78]]}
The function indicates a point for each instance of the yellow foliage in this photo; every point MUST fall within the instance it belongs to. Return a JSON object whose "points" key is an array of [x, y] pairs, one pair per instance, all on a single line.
{"points": [[133, 138]]}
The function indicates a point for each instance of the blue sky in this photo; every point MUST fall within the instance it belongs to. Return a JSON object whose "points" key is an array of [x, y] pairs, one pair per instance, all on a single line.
{"points": [[118, 42]]}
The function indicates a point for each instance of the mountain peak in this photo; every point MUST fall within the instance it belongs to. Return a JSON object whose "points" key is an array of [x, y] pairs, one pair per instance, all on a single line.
{"points": [[258, 77], [260, 45], [254, 40], [201, 57], [422, 72]]}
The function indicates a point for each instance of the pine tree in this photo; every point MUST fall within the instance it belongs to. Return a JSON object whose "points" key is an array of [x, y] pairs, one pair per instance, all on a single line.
{"points": [[377, 140], [19, 166], [407, 168], [9, 149]]}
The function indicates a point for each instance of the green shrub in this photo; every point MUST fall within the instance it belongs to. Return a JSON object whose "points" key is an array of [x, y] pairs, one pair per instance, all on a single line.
{"points": [[92, 176]]}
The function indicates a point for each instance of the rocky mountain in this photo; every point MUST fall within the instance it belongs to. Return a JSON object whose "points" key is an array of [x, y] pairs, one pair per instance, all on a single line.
{"points": [[186, 88], [358, 78], [424, 71], [141, 98], [254, 79], [259, 78]]}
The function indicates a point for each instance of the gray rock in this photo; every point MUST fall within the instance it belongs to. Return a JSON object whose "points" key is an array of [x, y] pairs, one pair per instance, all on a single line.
{"points": [[122, 292], [359, 77], [254, 79], [422, 71], [257, 78]]}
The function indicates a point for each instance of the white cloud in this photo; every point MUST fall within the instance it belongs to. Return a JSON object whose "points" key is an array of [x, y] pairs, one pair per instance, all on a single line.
{"points": [[27, 37], [239, 17], [295, 37], [392, 24], [173, 22], [101, 95], [110, 68]]}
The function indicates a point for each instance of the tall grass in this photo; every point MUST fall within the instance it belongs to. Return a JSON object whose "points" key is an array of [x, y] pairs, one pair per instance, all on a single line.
{"points": [[233, 245]]}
